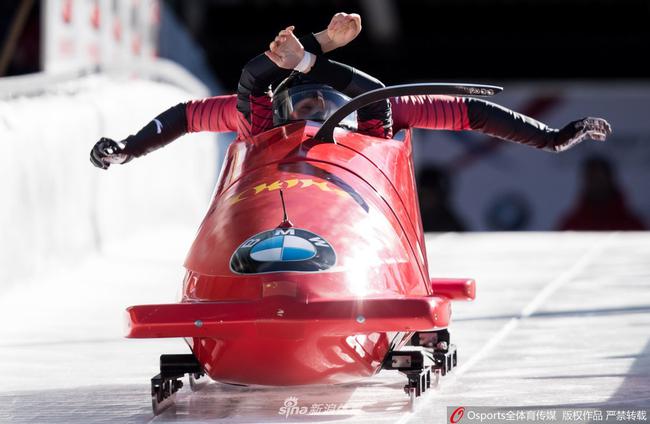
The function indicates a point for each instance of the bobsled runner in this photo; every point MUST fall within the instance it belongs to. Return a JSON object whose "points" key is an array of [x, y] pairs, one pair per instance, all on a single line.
{"points": [[310, 265]]}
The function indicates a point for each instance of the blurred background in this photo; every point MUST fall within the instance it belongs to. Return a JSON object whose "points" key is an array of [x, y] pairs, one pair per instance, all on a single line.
{"points": [[72, 71]]}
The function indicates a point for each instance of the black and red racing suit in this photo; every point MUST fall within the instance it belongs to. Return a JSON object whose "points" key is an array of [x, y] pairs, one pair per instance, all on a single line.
{"points": [[249, 112]]}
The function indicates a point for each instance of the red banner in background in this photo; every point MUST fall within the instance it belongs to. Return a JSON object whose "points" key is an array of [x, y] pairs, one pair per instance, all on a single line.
{"points": [[79, 34]]}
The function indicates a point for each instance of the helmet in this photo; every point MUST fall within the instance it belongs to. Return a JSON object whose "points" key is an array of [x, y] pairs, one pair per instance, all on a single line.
{"points": [[299, 98]]}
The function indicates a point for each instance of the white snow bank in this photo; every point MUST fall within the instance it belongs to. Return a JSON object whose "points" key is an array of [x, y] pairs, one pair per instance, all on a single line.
{"points": [[57, 207]]}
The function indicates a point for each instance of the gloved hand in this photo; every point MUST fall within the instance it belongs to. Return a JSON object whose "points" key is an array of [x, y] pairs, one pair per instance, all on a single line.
{"points": [[107, 151], [575, 132]]}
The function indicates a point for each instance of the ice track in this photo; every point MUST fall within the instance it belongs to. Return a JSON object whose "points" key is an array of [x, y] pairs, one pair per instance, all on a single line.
{"points": [[560, 320]]}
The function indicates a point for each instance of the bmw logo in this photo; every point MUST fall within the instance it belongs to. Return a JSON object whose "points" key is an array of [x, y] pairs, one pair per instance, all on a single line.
{"points": [[291, 249]]}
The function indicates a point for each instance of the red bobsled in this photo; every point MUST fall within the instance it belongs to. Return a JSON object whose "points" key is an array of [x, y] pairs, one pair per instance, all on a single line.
{"points": [[310, 266]]}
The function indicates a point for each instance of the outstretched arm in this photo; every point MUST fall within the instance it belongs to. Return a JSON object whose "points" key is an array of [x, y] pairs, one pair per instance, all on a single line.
{"points": [[247, 112], [162, 130], [459, 113], [217, 114], [288, 52]]}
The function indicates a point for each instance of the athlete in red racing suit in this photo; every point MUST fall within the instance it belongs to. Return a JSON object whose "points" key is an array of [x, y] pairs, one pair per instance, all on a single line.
{"points": [[250, 112]]}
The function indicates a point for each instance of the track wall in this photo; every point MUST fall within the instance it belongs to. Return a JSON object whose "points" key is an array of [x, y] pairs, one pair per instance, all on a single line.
{"points": [[56, 207]]}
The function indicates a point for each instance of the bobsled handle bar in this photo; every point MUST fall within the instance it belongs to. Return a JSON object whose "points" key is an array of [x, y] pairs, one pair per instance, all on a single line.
{"points": [[326, 132]]}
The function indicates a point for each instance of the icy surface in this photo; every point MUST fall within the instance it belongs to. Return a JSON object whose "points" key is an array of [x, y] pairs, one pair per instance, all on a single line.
{"points": [[57, 207], [560, 320]]}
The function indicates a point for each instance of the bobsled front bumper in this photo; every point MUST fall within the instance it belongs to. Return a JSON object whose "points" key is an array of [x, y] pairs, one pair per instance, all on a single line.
{"points": [[289, 316], [284, 340]]}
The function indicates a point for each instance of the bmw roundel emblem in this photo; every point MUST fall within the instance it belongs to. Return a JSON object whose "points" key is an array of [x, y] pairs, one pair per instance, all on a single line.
{"points": [[290, 249]]}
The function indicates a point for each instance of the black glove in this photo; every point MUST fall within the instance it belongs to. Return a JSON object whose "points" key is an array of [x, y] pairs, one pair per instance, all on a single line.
{"points": [[575, 132], [107, 151]]}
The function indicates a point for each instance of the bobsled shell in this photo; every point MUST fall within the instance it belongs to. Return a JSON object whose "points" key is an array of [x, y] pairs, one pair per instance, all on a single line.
{"points": [[330, 191]]}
